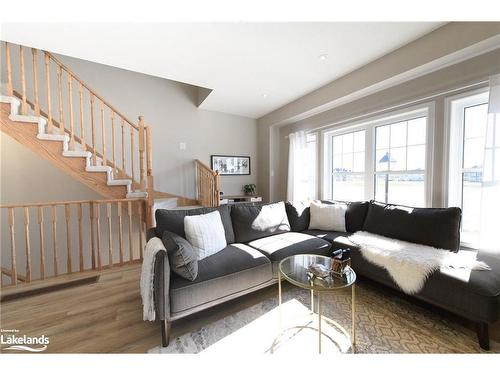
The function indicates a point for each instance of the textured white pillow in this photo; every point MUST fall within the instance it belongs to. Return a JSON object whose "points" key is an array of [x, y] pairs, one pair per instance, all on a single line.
{"points": [[205, 233], [328, 216], [272, 218]]}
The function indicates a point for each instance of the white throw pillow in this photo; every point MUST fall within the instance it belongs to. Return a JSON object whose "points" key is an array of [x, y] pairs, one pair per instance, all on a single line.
{"points": [[328, 216], [205, 233], [272, 218]]}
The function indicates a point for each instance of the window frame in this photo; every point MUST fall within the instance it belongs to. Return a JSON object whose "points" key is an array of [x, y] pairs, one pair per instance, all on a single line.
{"points": [[314, 137], [369, 125], [455, 141]]}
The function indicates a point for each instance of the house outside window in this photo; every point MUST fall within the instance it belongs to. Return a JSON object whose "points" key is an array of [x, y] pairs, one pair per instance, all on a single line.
{"points": [[348, 172], [386, 158], [400, 162]]}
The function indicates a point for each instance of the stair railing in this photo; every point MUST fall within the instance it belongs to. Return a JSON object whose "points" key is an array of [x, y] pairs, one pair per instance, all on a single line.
{"points": [[71, 107], [49, 239], [207, 185]]}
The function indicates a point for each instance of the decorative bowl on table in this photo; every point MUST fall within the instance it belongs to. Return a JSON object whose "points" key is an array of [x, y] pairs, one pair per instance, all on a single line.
{"points": [[318, 270]]}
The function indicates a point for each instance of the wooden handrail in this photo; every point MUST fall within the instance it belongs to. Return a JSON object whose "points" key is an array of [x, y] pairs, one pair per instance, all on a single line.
{"points": [[65, 111], [75, 77], [208, 185], [206, 167], [80, 140]]}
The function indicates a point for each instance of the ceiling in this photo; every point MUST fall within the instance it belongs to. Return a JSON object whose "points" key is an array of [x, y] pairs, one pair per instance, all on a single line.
{"points": [[251, 68]]}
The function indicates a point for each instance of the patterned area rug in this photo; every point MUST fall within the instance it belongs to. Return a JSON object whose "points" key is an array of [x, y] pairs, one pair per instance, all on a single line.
{"points": [[384, 324]]}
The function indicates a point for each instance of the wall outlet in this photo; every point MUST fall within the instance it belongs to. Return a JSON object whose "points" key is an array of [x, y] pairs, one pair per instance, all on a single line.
{"points": [[182, 146]]}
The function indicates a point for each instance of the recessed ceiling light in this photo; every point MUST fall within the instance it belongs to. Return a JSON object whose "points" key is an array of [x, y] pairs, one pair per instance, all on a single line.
{"points": [[264, 95], [323, 56]]}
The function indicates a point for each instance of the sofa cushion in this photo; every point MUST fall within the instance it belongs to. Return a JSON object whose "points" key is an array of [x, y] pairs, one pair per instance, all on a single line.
{"points": [[355, 214], [181, 255], [234, 269], [282, 245], [437, 227], [476, 297], [253, 221], [173, 220], [205, 233], [298, 215], [329, 217], [329, 236]]}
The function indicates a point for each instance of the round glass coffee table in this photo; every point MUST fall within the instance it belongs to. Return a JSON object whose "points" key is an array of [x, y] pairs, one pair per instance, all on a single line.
{"points": [[294, 269]]}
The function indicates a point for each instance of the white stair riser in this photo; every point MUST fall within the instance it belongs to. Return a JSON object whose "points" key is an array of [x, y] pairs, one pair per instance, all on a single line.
{"points": [[15, 105]]}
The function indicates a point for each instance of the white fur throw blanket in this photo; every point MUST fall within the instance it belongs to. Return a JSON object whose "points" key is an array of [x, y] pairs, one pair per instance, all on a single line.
{"points": [[410, 264], [147, 277]]}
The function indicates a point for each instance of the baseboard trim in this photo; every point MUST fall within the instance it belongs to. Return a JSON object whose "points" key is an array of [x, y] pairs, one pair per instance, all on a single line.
{"points": [[49, 288]]}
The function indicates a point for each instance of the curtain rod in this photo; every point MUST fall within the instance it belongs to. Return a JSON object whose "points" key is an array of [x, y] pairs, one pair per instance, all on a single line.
{"points": [[398, 106]]}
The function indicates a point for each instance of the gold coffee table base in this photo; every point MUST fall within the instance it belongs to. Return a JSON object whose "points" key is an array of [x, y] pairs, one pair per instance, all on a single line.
{"points": [[324, 288]]}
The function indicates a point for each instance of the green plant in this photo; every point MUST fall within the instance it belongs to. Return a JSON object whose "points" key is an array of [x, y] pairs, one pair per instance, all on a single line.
{"points": [[250, 189]]}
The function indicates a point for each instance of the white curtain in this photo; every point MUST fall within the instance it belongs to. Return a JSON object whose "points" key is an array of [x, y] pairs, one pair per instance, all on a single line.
{"points": [[301, 167], [489, 238]]}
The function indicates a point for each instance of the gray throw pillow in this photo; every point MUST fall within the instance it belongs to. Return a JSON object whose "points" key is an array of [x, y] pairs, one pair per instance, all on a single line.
{"points": [[181, 255]]}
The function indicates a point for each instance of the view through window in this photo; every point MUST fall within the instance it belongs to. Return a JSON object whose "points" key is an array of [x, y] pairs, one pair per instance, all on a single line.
{"points": [[400, 162], [475, 120], [382, 159], [348, 172]]}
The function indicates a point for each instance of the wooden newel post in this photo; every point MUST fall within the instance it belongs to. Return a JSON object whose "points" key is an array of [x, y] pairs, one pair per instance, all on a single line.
{"points": [[216, 189], [141, 153], [150, 181]]}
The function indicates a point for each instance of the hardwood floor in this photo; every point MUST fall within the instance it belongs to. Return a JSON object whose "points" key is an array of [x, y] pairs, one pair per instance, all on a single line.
{"points": [[106, 317]]}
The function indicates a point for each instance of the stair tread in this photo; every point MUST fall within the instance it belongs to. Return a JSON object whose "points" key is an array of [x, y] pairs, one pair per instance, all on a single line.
{"points": [[52, 137], [77, 153], [120, 182]]}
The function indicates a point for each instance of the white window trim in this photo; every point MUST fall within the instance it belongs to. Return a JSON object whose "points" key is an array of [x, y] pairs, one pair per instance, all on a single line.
{"points": [[369, 125], [454, 138]]}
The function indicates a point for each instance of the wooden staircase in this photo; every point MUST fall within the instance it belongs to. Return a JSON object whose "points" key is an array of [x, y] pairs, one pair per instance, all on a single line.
{"points": [[66, 122], [31, 132], [47, 108]]}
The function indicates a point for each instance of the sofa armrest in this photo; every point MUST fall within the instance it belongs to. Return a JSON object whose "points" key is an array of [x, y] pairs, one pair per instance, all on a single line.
{"points": [[162, 286]]}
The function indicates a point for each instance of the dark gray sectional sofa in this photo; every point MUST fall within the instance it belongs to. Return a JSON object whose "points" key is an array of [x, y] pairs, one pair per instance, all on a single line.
{"points": [[250, 260]]}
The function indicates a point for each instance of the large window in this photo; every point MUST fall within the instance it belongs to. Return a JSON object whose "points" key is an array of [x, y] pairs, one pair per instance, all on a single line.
{"points": [[348, 161], [383, 159], [400, 162], [467, 152]]}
